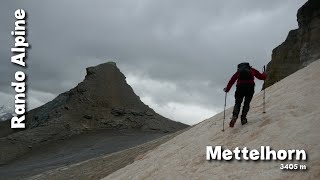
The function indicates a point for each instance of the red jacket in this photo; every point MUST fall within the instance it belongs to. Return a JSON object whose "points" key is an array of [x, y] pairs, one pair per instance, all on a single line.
{"points": [[235, 77]]}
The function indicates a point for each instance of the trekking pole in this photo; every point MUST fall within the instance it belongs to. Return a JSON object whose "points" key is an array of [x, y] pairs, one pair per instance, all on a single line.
{"points": [[264, 93], [224, 111]]}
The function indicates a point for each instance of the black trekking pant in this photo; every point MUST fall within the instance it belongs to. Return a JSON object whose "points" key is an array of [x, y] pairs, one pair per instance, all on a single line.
{"points": [[244, 91]]}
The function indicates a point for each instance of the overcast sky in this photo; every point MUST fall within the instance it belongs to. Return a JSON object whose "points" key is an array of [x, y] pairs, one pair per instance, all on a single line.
{"points": [[177, 55]]}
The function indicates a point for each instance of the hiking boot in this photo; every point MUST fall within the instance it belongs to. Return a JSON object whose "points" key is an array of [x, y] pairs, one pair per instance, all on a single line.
{"points": [[244, 120], [233, 121]]}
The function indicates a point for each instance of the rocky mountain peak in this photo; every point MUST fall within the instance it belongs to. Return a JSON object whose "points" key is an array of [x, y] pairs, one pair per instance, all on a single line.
{"points": [[102, 100], [301, 47], [103, 69], [309, 12], [105, 85]]}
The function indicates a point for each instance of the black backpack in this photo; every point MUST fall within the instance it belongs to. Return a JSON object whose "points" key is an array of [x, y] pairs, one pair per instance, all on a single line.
{"points": [[244, 70]]}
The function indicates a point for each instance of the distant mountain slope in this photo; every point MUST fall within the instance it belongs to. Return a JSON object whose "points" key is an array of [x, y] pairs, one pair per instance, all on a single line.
{"points": [[291, 122], [103, 100], [5, 113]]}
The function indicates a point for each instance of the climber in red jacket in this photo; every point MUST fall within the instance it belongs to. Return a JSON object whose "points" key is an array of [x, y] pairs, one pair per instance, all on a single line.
{"points": [[245, 90]]}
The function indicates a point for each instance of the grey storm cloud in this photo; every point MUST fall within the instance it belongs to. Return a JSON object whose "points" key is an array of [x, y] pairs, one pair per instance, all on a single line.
{"points": [[192, 47]]}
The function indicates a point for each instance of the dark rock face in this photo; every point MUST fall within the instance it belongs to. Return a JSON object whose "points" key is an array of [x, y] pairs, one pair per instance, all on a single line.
{"points": [[103, 100], [301, 47]]}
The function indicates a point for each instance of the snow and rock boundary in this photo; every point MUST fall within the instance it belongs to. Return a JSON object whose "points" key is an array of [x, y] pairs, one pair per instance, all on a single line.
{"points": [[291, 122]]}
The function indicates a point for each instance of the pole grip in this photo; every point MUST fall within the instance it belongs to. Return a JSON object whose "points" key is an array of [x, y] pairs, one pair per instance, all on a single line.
{"points": [[264, 93]]}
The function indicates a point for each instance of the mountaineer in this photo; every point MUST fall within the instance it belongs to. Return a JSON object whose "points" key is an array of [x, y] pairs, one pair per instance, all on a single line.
{"points": [[245, 90]]}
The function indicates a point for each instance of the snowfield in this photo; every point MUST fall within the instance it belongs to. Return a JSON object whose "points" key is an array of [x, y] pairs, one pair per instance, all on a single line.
{"points": [[292, 121]]}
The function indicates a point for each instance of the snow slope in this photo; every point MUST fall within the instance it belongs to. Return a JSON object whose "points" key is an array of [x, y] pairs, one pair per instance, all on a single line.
{"points": [[291, 122]]}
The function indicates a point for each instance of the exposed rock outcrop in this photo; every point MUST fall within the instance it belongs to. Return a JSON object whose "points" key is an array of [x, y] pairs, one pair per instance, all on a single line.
{"points": [[301, 47], [103, 100]]}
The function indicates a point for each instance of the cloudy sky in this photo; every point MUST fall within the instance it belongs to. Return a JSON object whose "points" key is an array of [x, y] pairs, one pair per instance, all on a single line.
{"points": [[176, 54]]}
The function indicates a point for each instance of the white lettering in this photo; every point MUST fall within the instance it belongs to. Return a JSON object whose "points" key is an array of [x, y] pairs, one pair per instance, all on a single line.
{"points": [[216, 154], [16, 122], [282, 154], [227, 154], [19, 59], [265, 153], [254, 155]]}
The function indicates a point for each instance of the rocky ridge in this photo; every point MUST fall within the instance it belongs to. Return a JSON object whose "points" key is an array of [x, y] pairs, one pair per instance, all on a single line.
{"points": [[301, 47], [103, 100]]}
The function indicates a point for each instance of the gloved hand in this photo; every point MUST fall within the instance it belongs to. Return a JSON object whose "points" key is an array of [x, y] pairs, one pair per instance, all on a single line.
{"points": [[225, 90], [264, 74]]}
